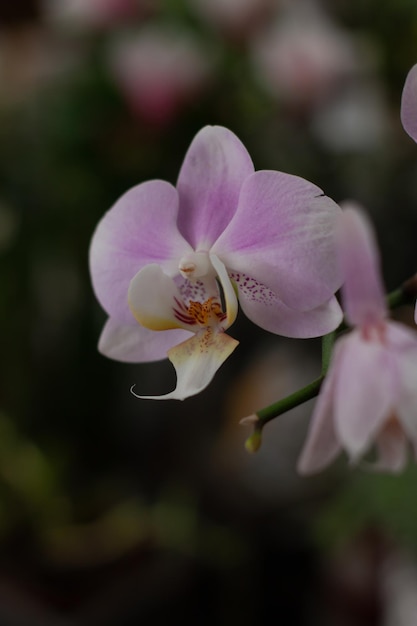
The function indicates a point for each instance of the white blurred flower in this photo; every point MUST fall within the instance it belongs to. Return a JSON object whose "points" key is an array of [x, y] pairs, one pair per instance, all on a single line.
{"points": [[301, 56], [233, 16], [159, 71], [355, 120], [91, 13]]}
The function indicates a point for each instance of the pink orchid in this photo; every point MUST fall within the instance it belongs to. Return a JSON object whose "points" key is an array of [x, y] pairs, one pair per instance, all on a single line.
{"points": [[175, 260], [370, 392]]}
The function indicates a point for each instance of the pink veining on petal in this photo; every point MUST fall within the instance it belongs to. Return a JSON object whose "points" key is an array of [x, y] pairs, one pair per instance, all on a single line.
{"points": [[209, 184]]}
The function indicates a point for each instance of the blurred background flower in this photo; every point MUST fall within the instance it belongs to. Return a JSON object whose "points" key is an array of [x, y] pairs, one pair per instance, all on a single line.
{"points": [[115, 510]]}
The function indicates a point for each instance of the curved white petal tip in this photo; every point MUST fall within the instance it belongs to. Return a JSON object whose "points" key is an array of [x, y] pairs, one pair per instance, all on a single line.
{"points": [[196, 360]]}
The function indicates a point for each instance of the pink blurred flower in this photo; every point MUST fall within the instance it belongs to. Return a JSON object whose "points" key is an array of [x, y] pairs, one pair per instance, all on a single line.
{"points": [[159, 71], [370, 393], [235, 17], [158, 256], [302, 55]]}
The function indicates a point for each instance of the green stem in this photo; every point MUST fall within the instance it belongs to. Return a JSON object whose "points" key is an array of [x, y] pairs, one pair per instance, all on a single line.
{"points": [[289, 402], [406, 294]]}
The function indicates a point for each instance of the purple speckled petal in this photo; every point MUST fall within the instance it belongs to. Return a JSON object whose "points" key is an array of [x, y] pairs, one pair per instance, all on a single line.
{"points": [[209, 183], [363, 294], [322, 445], [261, 305], [365, 392], [138, 230], [409, 104], [133, 343], [283, 235]]}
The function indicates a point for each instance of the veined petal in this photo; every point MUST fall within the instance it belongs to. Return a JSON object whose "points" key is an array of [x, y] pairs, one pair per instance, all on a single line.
{"points": [[282, 234], [261, 305], [322, 445], [138, 230], [196, 361], [362, 291], [365, 391], [156, 302], [228, 291], [409, 104], [132, 343], [209, 183]]}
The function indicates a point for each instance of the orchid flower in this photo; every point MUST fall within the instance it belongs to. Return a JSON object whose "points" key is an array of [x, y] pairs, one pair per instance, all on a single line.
{"points": [[370, 393], [409, 113], [175, 260]]}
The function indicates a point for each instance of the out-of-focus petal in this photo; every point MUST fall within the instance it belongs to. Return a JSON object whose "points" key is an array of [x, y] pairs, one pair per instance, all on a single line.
{"points": [[136, 344], [409, 104], [229, 293], [282, 234], [261, 305], [138, 230], [322, 445], [196, 361], [365, 390], [362, 291], [403, 343], [209, 183], [392, 448], [156, 302]]}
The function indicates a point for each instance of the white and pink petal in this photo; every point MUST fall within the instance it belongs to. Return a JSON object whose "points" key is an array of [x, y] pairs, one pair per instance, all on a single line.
{"points": [[322, 445], [363, 293], [282, 234], [196, 361], [365, 391], [132, 343], [138, 230], [209, 183], [266, 309]]}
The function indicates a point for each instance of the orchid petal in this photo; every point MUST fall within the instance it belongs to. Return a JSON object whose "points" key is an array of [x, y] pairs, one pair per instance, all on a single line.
{"points": [[156, 301], [364, 392], [261, 305], [409, 104], [402, 342], [322, 445], [136, 344], [362, 291], [196, 361], [392, 448], [138, 230], [209, 183], [282, 234]]}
